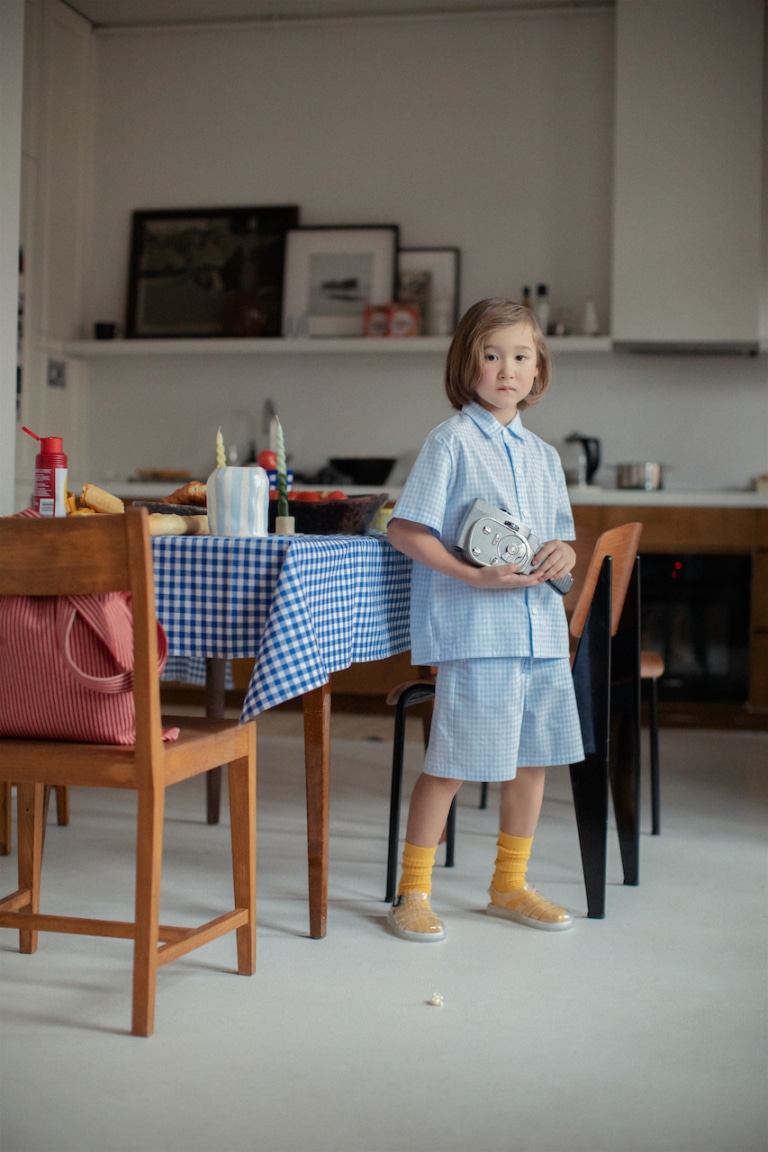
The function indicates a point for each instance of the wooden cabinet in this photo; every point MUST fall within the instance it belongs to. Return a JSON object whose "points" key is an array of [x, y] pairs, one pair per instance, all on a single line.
{"points": [[687, 183]]}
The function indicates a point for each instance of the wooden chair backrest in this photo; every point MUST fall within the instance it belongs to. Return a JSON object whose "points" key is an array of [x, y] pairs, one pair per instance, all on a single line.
{"points": [[79, 555], [621, 545]]}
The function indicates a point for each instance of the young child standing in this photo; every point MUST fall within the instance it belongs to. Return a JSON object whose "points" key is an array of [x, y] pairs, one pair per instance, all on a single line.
{"points": [[504, 702]]}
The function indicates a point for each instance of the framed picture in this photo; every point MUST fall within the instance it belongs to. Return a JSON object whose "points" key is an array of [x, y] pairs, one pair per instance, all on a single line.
{"points": [[332, 274], [207, 271], [430, 277]]}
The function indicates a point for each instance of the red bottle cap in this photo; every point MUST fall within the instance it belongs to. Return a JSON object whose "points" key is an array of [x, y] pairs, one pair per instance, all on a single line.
{"points": [[51, 446]]}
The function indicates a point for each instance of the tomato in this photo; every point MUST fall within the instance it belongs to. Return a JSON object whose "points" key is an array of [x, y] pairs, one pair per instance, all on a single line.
{"points": [[273, 493], [336, 494], [267, 459], [306, 495]]}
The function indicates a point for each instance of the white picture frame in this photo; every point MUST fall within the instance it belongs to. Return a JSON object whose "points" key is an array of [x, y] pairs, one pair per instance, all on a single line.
{"points": [[443, 266], [332, 273]]}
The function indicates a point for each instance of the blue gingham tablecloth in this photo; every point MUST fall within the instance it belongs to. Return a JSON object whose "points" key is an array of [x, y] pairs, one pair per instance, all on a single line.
{"points": [[303, 606]]}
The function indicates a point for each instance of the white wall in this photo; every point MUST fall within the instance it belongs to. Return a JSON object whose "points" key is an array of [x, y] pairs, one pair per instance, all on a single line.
{"points": [[490, 134], [11, 57]]}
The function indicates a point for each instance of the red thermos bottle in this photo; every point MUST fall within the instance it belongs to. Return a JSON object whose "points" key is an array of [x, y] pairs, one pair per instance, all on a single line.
{"points": [[49, 495]]}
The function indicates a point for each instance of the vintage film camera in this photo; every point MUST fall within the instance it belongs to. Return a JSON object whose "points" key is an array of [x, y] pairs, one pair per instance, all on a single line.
{"points": [[490, 536]]}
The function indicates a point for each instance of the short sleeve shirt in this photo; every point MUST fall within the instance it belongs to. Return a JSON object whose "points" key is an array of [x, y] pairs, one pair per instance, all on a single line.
{"points": [[468, 457]]}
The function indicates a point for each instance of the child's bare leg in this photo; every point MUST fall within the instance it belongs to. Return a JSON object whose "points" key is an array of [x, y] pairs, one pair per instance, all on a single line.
{"points": [[430, 803], [521, 801]]}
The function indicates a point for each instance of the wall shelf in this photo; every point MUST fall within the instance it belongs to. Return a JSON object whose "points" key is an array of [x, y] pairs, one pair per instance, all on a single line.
{"points": [[233, 346]]}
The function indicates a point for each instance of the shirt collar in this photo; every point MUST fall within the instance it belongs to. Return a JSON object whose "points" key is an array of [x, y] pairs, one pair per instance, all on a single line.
{"points": [[488, 423]]}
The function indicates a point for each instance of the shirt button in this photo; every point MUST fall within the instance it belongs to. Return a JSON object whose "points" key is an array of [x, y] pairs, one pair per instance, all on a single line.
{"points": [[518, 471], [534, 611]]}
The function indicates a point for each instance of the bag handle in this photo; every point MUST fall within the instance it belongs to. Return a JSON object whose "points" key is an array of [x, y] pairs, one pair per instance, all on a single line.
{"points": [[90, 608]]}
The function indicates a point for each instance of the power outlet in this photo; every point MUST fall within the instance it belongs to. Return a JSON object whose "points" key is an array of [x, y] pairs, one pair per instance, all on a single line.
{"points": [[57, 374]]}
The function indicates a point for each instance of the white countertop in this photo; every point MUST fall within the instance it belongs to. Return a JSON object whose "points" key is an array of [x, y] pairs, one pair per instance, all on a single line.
{"points": [[587, 494], [668, 498]]}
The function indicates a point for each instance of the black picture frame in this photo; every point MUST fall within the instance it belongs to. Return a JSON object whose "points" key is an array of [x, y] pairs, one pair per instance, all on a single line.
{"points": [[207, 272], [332, 272]]}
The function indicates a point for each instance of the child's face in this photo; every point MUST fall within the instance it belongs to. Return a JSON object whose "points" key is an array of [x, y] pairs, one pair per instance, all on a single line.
{"points": [[510, 364]]}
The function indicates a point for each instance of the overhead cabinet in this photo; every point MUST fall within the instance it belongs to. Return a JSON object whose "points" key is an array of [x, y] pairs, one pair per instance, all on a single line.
{"points": [[687, 265]]}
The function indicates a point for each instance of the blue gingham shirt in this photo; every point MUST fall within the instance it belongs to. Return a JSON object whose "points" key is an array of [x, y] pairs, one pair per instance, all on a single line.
{"points": [[468, 457]]}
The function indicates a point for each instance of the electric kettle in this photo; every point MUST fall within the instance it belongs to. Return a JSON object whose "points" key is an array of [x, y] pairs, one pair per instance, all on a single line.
{"points": [[592, 453]]}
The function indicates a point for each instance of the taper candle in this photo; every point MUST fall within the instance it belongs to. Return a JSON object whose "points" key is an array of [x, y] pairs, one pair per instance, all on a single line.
{"points": [[221, 456], [282, 471]]}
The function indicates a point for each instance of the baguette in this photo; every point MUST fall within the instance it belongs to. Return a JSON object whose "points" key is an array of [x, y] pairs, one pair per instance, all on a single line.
{"points": [[99, 500], [168, 524]]}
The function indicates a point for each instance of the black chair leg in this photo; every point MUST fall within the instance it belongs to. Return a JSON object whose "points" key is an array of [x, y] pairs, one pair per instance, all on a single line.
{"points": [[415, 694], [653, 732], [394, 796], [589, 784], [483, 795], [450, 835], [624, 772]]}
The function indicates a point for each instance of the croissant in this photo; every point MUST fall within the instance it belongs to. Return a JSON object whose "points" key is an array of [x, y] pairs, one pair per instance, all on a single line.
{"points": [[192, 493]]}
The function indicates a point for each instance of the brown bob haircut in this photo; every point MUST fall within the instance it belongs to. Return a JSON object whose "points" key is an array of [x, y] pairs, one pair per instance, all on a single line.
{"points": [[464, 364]]}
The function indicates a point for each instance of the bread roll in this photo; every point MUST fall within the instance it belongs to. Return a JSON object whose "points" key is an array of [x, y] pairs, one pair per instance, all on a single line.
{"points": [[100, 500], [192, 493]]}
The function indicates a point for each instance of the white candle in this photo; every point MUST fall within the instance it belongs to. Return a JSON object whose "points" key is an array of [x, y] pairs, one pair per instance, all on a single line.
{"points": [[221, 456], [280, 449], [282, 471]]}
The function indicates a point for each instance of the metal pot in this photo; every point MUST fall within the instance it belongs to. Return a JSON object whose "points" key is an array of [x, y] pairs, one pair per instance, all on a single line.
{"points": [[647, 475]]}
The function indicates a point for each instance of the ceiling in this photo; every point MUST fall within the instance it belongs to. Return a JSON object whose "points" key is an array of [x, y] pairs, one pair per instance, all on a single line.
{"points": [[149, 13]]}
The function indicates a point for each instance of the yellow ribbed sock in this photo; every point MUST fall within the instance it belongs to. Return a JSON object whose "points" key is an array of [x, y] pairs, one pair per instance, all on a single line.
{"points": [[513, 853], [417, 869]]}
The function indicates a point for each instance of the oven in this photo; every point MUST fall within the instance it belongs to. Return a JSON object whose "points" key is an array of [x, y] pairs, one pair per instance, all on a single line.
{"points": [[695, 611]]}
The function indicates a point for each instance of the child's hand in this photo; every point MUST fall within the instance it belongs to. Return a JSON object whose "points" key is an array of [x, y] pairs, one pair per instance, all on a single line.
{"points": [[554, 559], [497, 576]]}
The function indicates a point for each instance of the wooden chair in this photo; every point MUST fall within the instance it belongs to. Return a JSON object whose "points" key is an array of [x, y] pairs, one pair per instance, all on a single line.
{"points": [[604, 609], [89, 554], [605, 627]]}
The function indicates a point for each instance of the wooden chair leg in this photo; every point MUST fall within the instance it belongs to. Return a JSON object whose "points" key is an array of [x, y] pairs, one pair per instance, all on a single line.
{"points": [[242, 822], [5, 818], [149, 856], [30, 824], [62, 804]]}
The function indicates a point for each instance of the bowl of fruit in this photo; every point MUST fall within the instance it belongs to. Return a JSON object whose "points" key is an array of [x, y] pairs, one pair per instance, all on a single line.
{"points": [[329, 513]]}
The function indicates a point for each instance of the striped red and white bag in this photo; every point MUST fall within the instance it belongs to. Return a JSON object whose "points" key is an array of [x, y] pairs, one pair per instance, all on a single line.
{"points": [[66, 668]]}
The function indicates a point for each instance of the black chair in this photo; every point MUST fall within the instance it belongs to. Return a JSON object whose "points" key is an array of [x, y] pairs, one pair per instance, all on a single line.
{"points": [[605, 626]]}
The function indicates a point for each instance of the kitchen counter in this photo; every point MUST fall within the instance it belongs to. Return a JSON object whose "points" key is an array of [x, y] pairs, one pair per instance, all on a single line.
{"points": [[584, 495], [667, 498]]}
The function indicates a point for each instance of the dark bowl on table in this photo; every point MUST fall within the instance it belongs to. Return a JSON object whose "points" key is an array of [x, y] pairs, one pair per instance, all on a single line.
{"points": [[364, 469], [348, 517]]}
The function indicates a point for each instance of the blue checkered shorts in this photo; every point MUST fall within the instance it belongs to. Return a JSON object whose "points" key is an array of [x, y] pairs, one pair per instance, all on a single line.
{"points": [[493, 716]]}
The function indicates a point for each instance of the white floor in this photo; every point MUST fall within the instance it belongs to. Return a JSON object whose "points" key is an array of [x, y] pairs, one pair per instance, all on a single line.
{"points": [[643, 1031]]}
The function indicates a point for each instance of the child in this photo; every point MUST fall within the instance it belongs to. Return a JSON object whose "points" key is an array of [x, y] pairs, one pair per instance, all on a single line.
{"points": [[504, 701]]}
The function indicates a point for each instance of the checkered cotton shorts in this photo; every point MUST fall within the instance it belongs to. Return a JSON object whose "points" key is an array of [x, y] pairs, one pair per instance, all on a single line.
{"points": [[495, 715]]}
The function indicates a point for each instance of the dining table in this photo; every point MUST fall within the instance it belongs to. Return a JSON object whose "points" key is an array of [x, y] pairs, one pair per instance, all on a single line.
{"points": [[302, 607]]}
